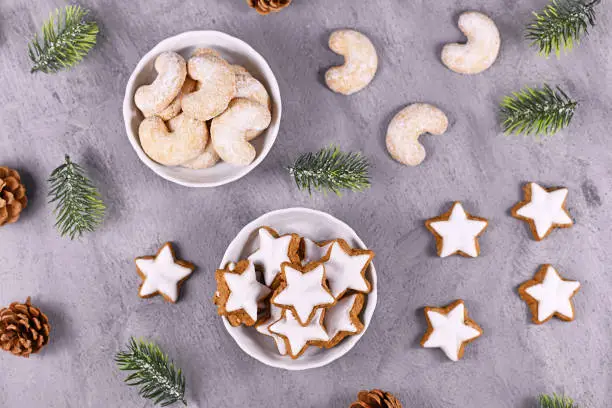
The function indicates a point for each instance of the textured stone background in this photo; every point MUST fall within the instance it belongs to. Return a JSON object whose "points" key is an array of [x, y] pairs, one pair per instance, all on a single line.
{"points": [[88, 287]]}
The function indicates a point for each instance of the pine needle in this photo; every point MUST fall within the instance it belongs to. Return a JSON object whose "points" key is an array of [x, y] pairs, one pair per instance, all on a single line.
{"points": [[79, 204], [157, 377], [66, 38], [537, 111], [329, 169], [561, 25], [556, 401]]}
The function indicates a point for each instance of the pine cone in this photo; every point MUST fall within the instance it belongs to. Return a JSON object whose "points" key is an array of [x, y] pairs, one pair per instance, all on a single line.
{"points": [[267, 6], [376, 399], [24, 329], [12, 196]]}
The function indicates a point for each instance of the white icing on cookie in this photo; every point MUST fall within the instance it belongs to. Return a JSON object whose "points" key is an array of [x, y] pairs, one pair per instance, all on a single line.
{"points": [[271, 254], [314, 252], [245, 291], [450, 331], [162, 274], [276, 313], [545, 209], [338, 317], [304, 292], [344, 271], [458, 233], [297, 335], [553, 295]]}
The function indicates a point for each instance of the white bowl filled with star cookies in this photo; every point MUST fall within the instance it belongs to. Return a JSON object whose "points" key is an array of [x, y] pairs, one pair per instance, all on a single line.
{"points": [[202, 109], [296, 288]]}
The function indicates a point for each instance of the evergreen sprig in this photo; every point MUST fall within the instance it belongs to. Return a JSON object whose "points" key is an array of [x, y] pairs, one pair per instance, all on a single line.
{"points": [[66, 38], [157, 377], [79, 204], [561, 25], [556, 401], [330, 169], [537, 111]]}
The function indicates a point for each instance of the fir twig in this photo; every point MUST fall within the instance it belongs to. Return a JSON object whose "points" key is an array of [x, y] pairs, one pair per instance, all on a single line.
{"points": [[561, 25], [66, 38], [157, 377], [330, 169], [538, 111], [556, 401], [79, 204]]}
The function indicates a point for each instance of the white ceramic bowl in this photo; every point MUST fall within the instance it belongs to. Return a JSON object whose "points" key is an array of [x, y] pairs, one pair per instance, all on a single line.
{"points": [[315, 225], [236, 52]]}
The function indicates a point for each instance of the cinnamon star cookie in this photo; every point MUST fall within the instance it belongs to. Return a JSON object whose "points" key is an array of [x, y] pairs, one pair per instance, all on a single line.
{"points": [[162, 274], [548, 295], [457, 232], [544, 210], [450, 329]]}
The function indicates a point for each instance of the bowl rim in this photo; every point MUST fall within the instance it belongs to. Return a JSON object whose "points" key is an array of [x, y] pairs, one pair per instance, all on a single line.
{"points": [[271, 82], [347, 344]]}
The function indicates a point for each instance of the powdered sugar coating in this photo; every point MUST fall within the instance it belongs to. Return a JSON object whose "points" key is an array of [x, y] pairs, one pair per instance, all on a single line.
{"points": [[406, 127], [172, 148], [154, 98], [229, 130], [361, 62], [481, 49], [216, 86]]}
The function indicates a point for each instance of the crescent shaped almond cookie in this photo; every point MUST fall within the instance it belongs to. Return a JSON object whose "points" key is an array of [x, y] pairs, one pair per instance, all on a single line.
{"points": [[360, 62], [249, 88], [172, 110], [481, 49], [216, 86], [154, 98], [407, 126], [229, 130], [172, 148]]}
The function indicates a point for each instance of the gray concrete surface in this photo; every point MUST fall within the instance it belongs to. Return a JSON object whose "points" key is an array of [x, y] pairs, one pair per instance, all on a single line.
{"points": [[88, 287]]}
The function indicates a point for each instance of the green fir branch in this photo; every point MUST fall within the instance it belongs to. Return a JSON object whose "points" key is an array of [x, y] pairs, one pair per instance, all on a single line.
{"points": [[157, 377], [537, 111], [66, 38], [79, 204], [330, 169], [561, 25], [556, 401]]}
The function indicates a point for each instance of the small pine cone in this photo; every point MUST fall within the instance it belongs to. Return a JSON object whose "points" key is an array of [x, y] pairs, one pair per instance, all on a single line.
{"points": [[12, 196], [376, 399], [24, 329], [267, 6]]}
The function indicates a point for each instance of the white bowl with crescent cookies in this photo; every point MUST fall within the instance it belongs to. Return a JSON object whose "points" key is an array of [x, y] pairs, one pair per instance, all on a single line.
{"points": [[296, 288], [202, 109]]}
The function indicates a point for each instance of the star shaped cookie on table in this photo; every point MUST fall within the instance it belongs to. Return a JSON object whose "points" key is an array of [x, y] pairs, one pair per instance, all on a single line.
{"points": [[450, 329], [162, 274], [457, 232], [273, 251], [544, 210], [548, 295]]}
